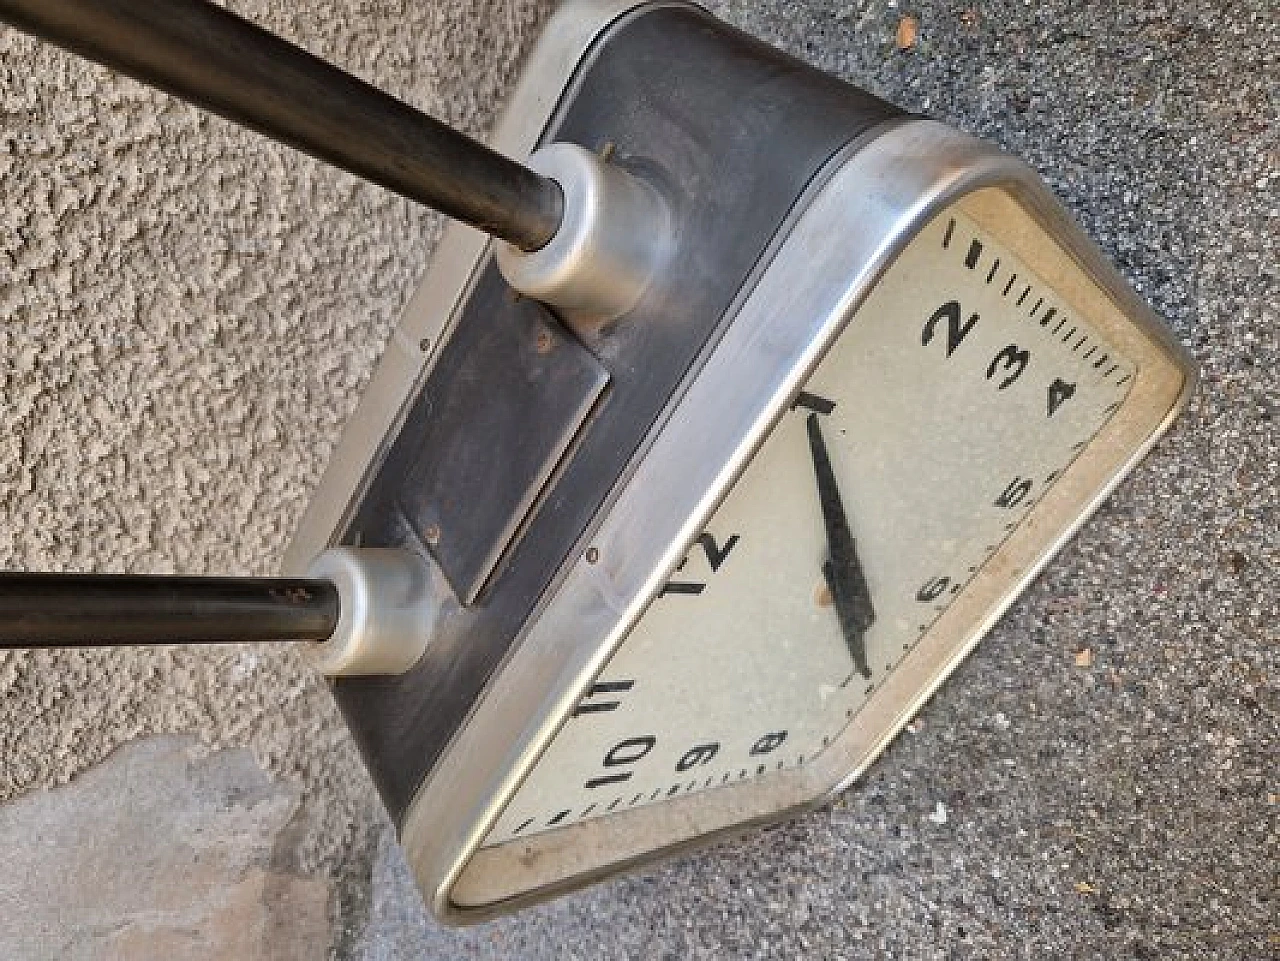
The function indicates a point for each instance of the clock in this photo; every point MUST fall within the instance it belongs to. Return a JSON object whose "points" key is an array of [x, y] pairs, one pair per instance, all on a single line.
{"points": [[954, 402], [696, 565]]}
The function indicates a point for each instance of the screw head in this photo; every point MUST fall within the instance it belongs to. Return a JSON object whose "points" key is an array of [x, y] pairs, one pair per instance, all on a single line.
{"points": [[432, 534], [593, 554]]}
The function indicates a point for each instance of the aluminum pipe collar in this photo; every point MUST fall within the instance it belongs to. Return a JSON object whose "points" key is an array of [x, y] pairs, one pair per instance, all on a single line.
{"points": [[387, 609], [614, 237]]}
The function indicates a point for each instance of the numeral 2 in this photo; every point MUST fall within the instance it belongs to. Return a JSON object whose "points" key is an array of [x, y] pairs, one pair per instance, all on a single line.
{"points": [[956, 332]]}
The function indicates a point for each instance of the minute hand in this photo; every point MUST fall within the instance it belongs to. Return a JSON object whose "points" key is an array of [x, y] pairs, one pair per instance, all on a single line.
{"points": [[843, 571]]}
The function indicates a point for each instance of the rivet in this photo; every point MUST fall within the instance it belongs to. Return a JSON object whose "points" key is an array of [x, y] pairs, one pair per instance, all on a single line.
{"points": [[432, 534], [593, 554], [424, 345]]}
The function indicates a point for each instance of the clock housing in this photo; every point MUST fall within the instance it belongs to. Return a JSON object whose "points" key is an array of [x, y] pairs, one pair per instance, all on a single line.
{"points": [[455, 743]]}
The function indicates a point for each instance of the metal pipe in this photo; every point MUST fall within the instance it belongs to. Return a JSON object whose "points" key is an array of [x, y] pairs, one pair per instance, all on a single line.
{"points": [[202, 53], [104, 610]]}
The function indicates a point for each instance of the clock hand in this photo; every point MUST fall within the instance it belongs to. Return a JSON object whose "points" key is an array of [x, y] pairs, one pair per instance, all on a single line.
{"points": [[843, 571]]}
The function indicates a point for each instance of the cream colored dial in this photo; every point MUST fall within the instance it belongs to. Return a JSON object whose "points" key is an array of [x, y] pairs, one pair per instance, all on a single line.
{"points": [[956, 398]]}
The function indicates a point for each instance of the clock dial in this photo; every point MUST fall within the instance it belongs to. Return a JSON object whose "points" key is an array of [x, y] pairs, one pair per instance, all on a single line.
{"points": [[958, 395]]}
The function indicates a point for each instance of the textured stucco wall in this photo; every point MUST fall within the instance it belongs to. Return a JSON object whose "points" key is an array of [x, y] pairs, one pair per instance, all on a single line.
{"points": [[188, 314]]}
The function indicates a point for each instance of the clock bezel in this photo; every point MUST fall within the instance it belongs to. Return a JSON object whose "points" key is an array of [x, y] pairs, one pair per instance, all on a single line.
{"points": [[887, 190]]}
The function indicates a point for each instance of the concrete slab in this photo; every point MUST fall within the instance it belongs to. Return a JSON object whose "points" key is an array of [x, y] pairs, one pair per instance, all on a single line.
{"points": [[161, 852]]}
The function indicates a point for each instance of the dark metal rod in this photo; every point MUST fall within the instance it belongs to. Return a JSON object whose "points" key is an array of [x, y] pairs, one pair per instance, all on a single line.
{"points": [[102, 610], [213, 58]]}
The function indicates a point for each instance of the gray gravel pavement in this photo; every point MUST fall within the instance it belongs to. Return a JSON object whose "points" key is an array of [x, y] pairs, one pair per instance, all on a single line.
{"points": [[1124, 809]]}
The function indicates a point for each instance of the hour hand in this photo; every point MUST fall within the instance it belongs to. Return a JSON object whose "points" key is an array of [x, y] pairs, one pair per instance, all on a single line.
{"points": [[843, 571]]}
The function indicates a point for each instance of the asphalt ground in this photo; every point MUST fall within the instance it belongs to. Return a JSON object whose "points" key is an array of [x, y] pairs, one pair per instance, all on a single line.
{"points": [[1108, 760]]}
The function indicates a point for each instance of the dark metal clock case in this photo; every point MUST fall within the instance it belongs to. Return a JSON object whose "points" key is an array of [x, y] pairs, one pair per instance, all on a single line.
{"points": [[521, 428]]}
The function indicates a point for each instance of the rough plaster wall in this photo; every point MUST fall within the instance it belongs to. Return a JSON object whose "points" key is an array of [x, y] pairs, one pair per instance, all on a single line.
{"points": [[188, 315]]}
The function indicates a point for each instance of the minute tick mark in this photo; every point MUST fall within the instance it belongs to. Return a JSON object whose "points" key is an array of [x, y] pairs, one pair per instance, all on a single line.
{"points": [[975, 251]]}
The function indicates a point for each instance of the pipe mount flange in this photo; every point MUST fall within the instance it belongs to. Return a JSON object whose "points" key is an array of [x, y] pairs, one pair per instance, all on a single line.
{"points": [[615, 236], [387, 611]]}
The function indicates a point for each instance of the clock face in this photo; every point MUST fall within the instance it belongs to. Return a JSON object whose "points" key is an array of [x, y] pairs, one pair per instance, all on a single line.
{"points": [[956, 399]]}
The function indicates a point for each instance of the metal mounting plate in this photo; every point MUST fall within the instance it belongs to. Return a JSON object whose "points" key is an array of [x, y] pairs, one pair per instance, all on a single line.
{"points": [[493, 420]]}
